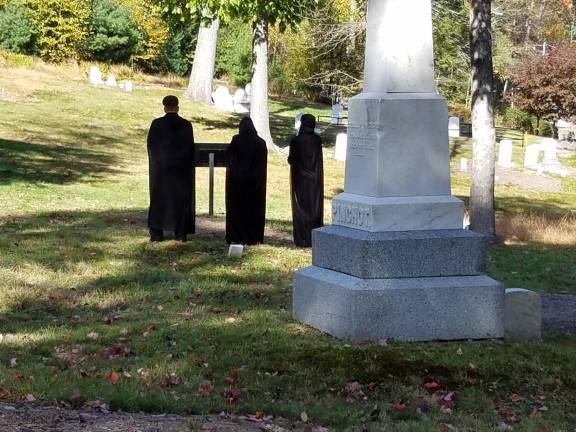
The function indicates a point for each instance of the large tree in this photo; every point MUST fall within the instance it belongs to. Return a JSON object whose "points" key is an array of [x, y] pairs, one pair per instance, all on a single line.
{"points": [[482, 216], [206, 11]]}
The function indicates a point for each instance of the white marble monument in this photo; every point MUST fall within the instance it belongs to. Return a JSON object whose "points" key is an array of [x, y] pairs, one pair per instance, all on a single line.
{"points": [[505, 154], [396, 262], [111, 81], [223, 100], [337, 117], [551, 164], [531, 156], [241, 102], [454, 126], [95, 76]]}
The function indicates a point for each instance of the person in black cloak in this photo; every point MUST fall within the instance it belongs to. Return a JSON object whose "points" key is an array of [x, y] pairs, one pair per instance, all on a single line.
{"points": [[307, 181], [246, 186], [171, 169]]}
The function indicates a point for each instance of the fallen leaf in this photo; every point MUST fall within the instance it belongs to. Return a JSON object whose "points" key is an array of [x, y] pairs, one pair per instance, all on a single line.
{"points": [[75, 395], [29, 398], [205, 388], [115, 350], [2, 392], [535, 413], [399, 406], [93, 335], [515, 398], [304, 417], [13, 362], [113, 377], [230, 320], [171, 380], [431, 385]]}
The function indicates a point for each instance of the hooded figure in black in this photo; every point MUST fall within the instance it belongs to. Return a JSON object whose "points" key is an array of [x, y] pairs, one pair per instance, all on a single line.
{"points": [[171, 166], [246, 186], [307, 181]]}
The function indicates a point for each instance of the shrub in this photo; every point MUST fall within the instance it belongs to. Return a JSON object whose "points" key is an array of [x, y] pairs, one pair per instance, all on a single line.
{"points": [[516, 118], [114, 37], [234, 55], [16, 29], [61, 27], [15, 60]]}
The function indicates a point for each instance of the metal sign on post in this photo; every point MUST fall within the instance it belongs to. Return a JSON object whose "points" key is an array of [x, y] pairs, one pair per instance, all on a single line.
{"points": [[211, 155]]}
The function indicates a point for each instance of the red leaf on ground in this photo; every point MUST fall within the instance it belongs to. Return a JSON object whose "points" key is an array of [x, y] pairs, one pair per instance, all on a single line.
{"points": [[2, 392], [20, 377], [399, 406], [235, 392], [233, 377], [515, 398], [205, 388], [115, 350], [113, 377], [433, 385]]}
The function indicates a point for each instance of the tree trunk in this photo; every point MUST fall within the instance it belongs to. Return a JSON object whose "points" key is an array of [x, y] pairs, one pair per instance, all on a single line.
{"points": [[482, 215], [200, 86], [259, 100]]}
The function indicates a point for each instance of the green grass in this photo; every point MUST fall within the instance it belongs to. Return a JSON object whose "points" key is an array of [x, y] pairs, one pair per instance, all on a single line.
{"points": [[75, 261]]}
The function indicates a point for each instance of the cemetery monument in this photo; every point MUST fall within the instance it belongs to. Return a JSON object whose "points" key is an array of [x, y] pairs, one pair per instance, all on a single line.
{"points": [[396, 263]]}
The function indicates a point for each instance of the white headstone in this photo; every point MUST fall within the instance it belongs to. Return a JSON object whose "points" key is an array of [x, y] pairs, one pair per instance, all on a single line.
{"points": [[337, 114], [531, 156], [551, 164], [341, 144], [523, 315], [222, 99], [298, 121], [248, 89], [95, 76], [129, 86], [505, 154], [235, 251], [111, 81], [454, 126], [464, 164], [241, 102]]}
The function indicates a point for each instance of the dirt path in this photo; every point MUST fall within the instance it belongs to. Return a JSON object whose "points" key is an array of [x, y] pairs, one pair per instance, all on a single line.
{"points": [[26, 417], [528, 180]]}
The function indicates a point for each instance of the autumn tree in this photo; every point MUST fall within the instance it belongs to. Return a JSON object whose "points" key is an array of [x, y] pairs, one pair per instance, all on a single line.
{"points": [[545, 85], [482, 215]]}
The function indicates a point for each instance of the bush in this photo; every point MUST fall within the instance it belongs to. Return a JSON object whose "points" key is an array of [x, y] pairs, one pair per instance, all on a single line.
{"points": [[516, 118], [176, 52], [16, 29], [114, 37], [15, 60], [61, 27]]}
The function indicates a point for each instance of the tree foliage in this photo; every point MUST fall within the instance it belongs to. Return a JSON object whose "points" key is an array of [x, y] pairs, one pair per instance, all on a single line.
{"points": [[545, 86], [16, 30], [114, 36], [61, 27]]}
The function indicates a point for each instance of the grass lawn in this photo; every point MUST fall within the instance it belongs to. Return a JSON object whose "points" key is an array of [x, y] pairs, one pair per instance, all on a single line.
{"points": [[89, 309]]}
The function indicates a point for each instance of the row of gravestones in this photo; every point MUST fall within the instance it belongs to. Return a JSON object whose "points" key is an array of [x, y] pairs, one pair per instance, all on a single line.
{"points": [[547, 150], [95, 77]]}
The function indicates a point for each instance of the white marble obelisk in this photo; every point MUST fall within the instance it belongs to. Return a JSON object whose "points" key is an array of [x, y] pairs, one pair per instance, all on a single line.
{"points": [[396, 261]]}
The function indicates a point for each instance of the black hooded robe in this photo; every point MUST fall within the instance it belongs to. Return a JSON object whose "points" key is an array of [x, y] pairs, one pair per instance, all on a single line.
{"points": [[246, 186], [171, 167], [307, 182]]}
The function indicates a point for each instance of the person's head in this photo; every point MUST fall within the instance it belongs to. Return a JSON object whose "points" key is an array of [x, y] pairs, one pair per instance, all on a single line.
{"points": [[307, 124], [247, 127], [171, 104]]}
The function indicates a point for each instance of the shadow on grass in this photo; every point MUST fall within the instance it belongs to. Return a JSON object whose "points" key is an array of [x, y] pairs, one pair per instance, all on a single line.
{"points": [[42, 163]]}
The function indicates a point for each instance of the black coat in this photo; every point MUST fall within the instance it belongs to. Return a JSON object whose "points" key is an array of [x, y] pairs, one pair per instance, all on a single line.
{"points": [[246, 186], [307, 181], [171, 168]]}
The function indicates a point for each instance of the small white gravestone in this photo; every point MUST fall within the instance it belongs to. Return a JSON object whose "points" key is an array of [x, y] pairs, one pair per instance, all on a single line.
{"points": [[298, 121], [341, 145], [531, 156], [222, 99], [95, 76], [523, 315], [235, 251], [337, 114], [248, 89], [111, 81], [505, 154], [454, 127], [551, 164], [464, 164], [241, 102], [129, 86]]}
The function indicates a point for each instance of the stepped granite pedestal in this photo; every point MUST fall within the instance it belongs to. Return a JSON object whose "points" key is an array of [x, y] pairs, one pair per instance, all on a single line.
{"points": [[396, 262]]}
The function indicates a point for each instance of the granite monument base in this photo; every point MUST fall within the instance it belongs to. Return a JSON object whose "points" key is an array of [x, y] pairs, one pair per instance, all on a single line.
{"points": [[410, 309]]}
